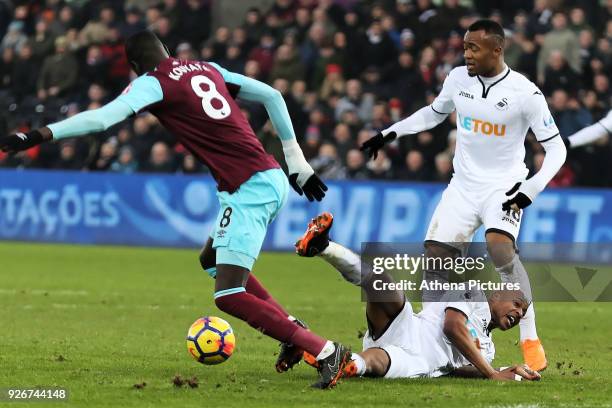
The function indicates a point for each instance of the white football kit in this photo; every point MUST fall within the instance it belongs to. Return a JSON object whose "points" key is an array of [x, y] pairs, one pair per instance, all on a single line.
{"points": [[493, 117], [416, 343]]}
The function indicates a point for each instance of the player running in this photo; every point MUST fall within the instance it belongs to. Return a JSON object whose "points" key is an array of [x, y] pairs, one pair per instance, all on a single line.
{"points": [[194, 100], [451, 337], [590, 133], [495, 107]]}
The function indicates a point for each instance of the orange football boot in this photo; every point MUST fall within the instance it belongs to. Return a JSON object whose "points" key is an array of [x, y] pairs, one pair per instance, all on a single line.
{"points": [[350, 370], [316, 238], [533, 354]]}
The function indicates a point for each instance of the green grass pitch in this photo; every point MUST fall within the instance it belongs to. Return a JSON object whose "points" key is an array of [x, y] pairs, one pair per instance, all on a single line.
{"points": [[97, 320]]}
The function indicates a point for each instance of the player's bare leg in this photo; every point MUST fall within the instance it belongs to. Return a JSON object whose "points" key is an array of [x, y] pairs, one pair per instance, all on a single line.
{"points": [[382, 306], [232, 298], [289, 354], [510, 268]]}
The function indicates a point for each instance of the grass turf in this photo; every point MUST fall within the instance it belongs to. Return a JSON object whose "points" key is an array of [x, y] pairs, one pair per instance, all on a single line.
{"points": [[97, 320]]}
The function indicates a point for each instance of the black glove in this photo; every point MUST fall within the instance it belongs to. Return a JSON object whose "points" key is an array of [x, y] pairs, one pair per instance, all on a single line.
{"points": [[20, 141], [313, 188], [520, 199], [373, 145]]}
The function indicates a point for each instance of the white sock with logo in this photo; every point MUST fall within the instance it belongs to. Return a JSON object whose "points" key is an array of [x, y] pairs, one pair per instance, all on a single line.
{"points": [[527, 325], [344, 260], [327, 351], [359, 363]]}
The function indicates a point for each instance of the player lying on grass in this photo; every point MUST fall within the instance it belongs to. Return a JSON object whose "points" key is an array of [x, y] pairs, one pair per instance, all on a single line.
{"points": [[495, 108], [194, 100], [451, 337], [591, 133]]}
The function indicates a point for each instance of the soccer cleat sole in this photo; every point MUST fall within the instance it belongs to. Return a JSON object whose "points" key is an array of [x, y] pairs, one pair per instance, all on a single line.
{"points": [[318, 225]]}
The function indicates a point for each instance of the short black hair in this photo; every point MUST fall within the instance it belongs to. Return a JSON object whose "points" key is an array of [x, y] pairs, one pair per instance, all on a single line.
{"points": [[145, 49], [489, 27]]}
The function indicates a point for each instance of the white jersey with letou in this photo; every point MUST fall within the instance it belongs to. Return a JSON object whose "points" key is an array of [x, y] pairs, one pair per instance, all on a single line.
{"points": [[493, 117], [417, 345]]}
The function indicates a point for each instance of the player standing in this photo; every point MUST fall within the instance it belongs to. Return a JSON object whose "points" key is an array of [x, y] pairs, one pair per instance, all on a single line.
{"points": [[194, 100], [495, 108]]}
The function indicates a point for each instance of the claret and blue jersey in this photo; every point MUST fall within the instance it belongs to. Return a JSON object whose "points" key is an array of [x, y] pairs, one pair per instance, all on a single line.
{"points": [[195, 101]]}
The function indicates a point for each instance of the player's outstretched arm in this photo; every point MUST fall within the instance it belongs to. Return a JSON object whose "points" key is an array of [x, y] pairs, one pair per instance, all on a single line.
{"points": [[81, 124], [424, 119], [590, 133], [301, 176], [456, 331], [519, 372]]}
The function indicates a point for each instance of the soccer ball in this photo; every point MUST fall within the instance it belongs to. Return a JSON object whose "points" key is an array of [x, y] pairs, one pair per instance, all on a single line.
{"points": [[210, 340]]}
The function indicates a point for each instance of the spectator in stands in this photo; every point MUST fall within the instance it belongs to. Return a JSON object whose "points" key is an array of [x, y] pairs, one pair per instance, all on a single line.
{"points": [[42, 41], [126, 162], [59, 72], [95, 67], [108, 155], [68, 159], [234, 60], [327, 163], [355, 165], [333, 83], [173, 11], [355, 100], [190, 165], [287, 64], [64, 22], [160, 160], [195, 21], [132, 23], [415, 168], [343, 139], [378, 48], [263, 54], [559, 75], [184, 51], [164, 32], [444, 167], [562, 39], [97, 31], [14, 37], [6, 68], [380, 168]]}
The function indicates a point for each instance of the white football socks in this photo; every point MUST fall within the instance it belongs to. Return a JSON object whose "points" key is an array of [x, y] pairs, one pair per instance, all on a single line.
{"points": [[344, 260], [514, 272], [359, 363], [527, 325], [327, 351]]}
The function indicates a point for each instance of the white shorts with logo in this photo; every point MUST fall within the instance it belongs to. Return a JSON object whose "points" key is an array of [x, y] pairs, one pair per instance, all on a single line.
{"points": [[461, 211], [404, 342]]}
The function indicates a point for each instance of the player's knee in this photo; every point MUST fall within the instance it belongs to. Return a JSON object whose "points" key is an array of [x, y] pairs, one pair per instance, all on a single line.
{"points": [[207, 262], [226, 300], [377, 362]]}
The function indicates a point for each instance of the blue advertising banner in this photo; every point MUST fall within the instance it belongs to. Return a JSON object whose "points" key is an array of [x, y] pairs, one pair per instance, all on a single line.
{"points": [[177, 211]]}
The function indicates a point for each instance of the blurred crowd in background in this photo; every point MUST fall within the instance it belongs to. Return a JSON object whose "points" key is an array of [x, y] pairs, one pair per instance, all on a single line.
{"points": [[347, 69]]}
